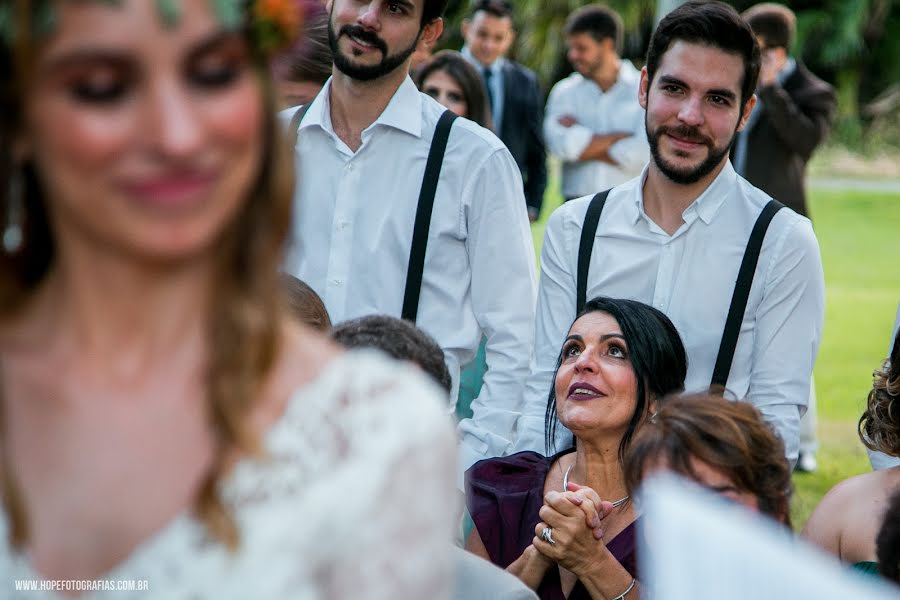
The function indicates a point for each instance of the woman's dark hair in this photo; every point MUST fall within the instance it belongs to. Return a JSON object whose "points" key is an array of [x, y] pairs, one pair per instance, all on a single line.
{"points": [[311, 58], [598, 21], [453, 64], [728, 435], [713, 24], [879, 425], [887, 543], [656, 353]]}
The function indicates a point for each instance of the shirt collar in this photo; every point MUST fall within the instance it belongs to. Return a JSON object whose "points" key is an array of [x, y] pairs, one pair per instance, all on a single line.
{"points": [[403, 112], [494, 68], [787, 70], [705, 206]]}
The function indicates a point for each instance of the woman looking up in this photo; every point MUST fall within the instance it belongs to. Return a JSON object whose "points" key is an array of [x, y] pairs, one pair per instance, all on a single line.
{"points": [[164, 419], [542, 518]]}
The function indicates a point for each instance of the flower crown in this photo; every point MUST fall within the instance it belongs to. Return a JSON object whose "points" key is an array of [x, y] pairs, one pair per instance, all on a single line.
{"points": [[273, 25]]}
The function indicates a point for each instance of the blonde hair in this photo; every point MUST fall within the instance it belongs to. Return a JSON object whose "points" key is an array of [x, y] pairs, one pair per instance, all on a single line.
{"points": [[244, 325]]}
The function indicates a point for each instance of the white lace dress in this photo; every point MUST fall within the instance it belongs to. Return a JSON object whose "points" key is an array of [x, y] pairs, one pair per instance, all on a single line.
{"points": [[355, 501]]}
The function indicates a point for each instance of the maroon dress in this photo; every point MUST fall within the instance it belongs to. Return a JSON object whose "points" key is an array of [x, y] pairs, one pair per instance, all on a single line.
{"points": [[504, 495]]}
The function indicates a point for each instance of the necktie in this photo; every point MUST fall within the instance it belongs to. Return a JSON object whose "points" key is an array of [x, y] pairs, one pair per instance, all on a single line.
{"points": [[488, 74]]}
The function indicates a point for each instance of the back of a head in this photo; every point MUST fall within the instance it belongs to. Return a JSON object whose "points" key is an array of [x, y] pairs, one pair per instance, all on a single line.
{"points": [[729, 436], [879, 425], [598, 21], [501, 9], [305, 304], [776, 24], [399, 339], [713, 24]]}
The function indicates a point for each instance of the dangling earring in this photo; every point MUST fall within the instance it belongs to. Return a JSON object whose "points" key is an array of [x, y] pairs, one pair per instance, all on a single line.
{"points": [[15, 214]]}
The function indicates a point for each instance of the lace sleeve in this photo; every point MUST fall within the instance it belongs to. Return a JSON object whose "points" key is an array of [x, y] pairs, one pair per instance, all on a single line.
{"points": [[390, 494]]}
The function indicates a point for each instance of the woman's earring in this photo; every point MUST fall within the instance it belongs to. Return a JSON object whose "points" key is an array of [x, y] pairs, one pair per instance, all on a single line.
{"points": [[15, 214]]}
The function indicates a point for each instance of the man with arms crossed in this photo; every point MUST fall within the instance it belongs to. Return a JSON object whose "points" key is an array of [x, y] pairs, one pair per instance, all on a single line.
{"points": [[676, 237], [594, 123], [362, 148]]}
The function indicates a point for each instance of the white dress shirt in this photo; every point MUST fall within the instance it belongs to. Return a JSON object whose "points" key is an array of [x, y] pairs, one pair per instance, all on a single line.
{"points": [[598, 113], [352, 230], [690, 277]]}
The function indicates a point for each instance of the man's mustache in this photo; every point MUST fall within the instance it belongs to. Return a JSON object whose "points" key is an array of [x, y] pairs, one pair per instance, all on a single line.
{"points": [[686, 133], [365, 36]]}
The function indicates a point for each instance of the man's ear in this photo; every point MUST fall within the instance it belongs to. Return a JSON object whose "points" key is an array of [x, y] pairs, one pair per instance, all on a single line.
{"points": [[745, 114], [643, 88], [432, 31], [466, 23]]}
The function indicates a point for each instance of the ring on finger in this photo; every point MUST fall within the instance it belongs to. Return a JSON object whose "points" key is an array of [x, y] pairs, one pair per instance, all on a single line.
{"points": [[547, 536]]}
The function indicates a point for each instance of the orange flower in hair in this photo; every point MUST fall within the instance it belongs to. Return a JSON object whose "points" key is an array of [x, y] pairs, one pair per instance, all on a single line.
{"points": [[277, 23]]}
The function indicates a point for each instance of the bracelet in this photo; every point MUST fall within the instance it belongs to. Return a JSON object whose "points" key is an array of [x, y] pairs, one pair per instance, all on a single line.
{"points": [[625, 593]]}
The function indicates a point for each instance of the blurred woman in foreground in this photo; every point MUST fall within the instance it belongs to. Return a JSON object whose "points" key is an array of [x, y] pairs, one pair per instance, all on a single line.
{"points": [[164, 419]]}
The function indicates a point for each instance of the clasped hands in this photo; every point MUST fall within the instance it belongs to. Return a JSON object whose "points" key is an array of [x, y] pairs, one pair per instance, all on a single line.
{"points": [[576, 518]]}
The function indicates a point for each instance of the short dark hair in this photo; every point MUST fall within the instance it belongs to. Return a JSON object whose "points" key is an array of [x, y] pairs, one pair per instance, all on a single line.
{"points": [[713, 24], [501, 9], [655, 351], [466, 77], [433, 9], [397, 338], [775, 23], [887, 543], [729, 435], [305, 304], [597, 20]]}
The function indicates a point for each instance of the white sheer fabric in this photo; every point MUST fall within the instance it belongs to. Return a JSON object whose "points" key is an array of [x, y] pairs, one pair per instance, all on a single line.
{"points": [[353, 501]]}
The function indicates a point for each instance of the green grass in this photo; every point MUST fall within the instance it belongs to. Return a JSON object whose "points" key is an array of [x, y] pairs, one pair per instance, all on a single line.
{"points": [[859, 236]]}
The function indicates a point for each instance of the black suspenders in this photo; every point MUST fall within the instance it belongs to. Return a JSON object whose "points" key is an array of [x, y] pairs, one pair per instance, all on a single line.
{"points": [[423, 216], [424, 208], [741, 287]]}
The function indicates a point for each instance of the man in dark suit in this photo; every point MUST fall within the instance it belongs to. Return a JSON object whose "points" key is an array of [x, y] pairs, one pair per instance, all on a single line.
{"points": [[791, 118], [793, 115], [513, 93]]}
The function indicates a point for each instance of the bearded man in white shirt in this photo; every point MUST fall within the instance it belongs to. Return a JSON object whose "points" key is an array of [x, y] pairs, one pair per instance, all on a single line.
{"points": [[361, 151], [677, 236], [593, 121]]}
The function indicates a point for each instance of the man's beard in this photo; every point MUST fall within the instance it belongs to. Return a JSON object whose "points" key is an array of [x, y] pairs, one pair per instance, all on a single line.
{"points": [[366, 72], [687, 175]]}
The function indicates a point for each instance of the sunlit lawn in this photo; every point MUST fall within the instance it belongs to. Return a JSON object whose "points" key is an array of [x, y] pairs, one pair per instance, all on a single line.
{"points": [[859, 235]]}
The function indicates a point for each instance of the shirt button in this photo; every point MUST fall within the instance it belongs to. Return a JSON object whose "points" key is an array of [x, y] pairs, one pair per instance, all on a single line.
{"points": [[337, 281], [349, 166]]}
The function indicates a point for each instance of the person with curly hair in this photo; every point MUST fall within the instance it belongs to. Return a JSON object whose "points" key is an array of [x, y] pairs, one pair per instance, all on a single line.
{"points": [[723, 445], [847, 520]]}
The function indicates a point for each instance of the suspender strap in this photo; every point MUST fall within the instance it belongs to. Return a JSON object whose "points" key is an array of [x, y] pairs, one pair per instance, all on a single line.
{"points": [[586, 247], [423, 216], [741, 294]]}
